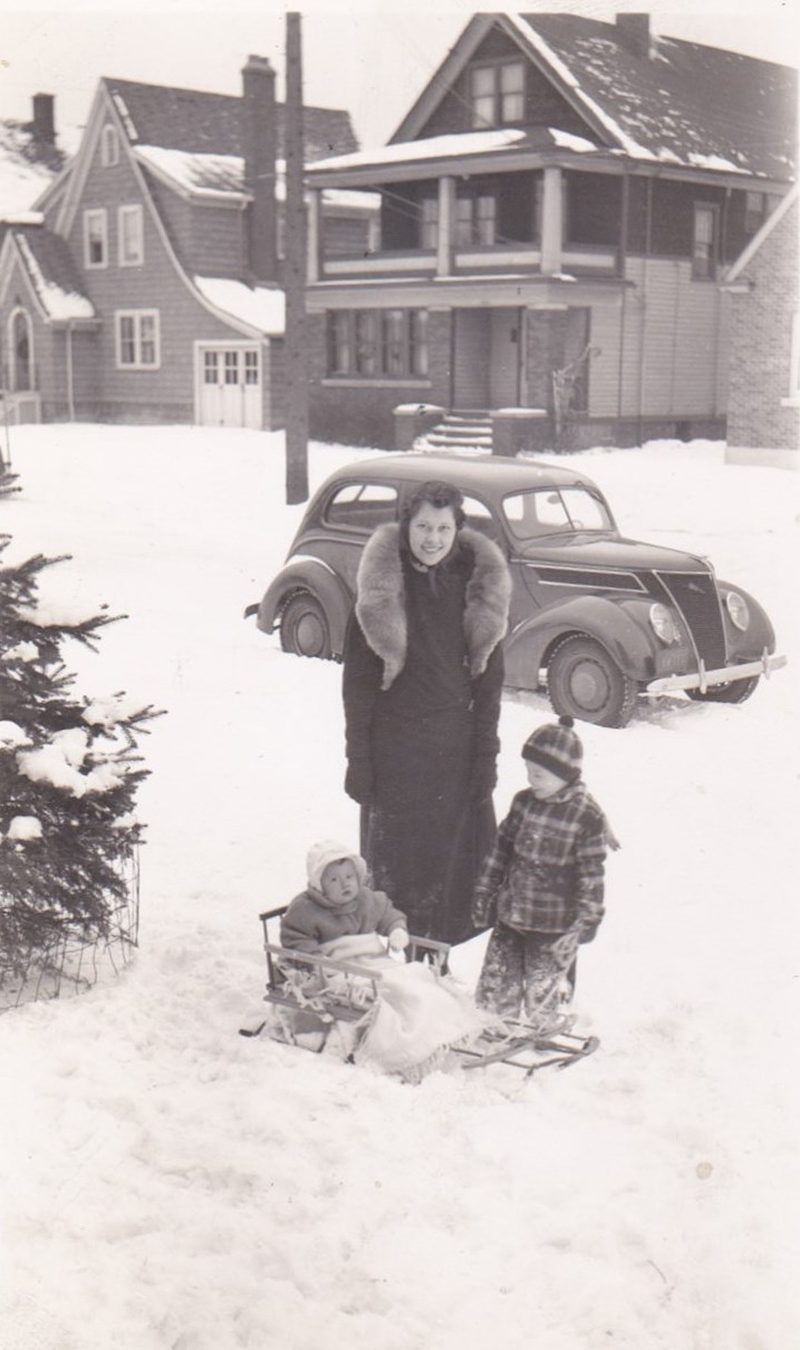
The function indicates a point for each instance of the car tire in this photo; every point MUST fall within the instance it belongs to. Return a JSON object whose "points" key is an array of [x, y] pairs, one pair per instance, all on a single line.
{"points": [[735, 692], [304, 627], [583, 681]]}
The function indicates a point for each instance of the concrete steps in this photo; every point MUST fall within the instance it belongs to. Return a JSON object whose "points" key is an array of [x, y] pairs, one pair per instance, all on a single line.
{"points": [[466, 430]]}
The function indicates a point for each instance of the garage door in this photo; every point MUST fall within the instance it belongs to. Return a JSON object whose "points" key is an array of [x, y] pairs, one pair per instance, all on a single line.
{"points": [[229, 383]]}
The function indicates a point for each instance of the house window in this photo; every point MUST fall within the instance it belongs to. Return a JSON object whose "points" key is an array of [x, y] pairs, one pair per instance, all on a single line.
{"points": [[475, 220], [429, 224], [138, 340], [109, 146], [378, 344], [210, 361], [497, 94], [339, 343], [251, 367], [704, 241], [95, 238], [130, 236]]}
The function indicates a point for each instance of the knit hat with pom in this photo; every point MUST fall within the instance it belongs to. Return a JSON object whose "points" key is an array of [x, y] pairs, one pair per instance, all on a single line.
{"points": [[321, 855], [556, 747]]}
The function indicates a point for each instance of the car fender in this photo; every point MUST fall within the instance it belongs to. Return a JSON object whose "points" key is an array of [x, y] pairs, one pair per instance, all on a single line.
{"points": [[760, 635], [307, 573], [611, 622]]}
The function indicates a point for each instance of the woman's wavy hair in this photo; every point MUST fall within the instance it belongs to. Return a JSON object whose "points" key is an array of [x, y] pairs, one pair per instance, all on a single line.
{"points": [[436, 494]]}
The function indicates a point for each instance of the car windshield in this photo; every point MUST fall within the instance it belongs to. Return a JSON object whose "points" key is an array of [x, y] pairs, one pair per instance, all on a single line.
{"points": [[555, 511]]}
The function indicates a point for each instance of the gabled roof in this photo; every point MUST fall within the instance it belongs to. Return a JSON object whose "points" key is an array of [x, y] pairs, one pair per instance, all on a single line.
{"points": [[683, 103], [51, 272], [196, 122]]}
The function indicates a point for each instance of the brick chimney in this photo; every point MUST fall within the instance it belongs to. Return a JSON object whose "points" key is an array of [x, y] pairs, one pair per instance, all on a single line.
{"points": [[259, 143], [44, 122], [633, 31]]}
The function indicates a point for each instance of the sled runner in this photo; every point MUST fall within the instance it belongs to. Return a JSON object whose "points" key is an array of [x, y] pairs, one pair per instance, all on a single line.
{"points": [[312, 997]]}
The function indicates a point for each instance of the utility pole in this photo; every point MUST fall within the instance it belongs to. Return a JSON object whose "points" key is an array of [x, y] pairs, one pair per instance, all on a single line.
{"points": [[295, 273]]}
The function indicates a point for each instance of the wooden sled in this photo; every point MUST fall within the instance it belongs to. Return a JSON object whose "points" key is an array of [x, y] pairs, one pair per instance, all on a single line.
{"points": [[312, 995]]}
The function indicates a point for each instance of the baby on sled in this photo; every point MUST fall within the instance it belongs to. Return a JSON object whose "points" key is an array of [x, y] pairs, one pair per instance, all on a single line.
{"points": [[412, 1013]]}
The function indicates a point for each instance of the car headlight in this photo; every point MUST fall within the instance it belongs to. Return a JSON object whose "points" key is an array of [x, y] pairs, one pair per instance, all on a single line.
{"points": [[736, 606], [663, 624]]}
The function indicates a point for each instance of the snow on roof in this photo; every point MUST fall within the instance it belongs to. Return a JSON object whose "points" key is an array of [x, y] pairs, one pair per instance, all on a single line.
{"points": [[262, 307], [57, 302], [21, 179], [610, 124], [432, 147], [209, 174], [567, 140], [714, 162]]}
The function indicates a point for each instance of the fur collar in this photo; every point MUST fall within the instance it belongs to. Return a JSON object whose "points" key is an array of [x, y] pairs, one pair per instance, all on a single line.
{"points": [[381, 606]]}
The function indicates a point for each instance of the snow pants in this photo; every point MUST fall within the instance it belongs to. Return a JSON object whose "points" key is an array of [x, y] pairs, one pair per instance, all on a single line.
{"points": [[518, 972]]}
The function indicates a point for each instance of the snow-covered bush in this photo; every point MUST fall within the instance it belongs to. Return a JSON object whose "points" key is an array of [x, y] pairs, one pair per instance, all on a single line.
{"points": [[69, 772]]}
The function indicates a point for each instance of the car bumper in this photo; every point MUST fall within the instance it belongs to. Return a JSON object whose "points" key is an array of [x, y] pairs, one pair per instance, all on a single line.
{"points": [[703, 679]]}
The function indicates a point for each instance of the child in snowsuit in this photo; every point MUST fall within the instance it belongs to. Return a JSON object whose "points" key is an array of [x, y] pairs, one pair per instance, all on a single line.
{"points": [[337, 903], [542, 884]]}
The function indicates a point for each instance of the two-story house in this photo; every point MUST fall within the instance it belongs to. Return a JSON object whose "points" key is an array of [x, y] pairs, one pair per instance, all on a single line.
{"points": [[557, 208], [150, 289]]}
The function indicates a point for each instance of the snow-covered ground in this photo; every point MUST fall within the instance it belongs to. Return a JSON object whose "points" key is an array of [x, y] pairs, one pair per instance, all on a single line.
{"points": [[168, 1185]]}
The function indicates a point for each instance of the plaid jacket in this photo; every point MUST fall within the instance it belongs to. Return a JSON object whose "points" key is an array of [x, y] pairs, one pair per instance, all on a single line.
{"points": [[545, 871]]}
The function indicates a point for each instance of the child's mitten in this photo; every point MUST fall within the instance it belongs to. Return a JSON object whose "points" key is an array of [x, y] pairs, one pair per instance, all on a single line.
{"points": [[484, 910], [398, 939]]}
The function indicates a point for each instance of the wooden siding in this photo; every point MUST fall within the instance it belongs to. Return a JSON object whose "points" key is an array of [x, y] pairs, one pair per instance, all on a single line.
{"points": [[671, 329], [344, 235], [209, 240]]}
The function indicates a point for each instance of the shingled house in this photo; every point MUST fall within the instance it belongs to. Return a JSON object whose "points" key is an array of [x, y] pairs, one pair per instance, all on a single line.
{"points": [[557, 209], [149, 289]]}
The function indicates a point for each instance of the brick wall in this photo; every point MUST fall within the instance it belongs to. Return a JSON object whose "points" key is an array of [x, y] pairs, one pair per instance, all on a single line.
{"points": [[761, 345], [363, 414]]}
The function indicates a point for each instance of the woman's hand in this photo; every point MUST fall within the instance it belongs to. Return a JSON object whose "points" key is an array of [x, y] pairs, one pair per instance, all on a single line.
{"points": [[358, 781], [484, 911]]}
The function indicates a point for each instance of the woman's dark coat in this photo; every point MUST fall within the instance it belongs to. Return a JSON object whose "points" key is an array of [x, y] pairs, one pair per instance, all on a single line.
{"points": [[423, 675]]}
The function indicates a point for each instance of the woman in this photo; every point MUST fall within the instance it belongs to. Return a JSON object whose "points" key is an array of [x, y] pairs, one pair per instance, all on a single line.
{"points": [[423, 674]]}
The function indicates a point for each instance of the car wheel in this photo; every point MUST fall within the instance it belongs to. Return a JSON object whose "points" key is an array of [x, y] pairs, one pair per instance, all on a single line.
{"points": [[735, 692], [585, 682], [304, 627]]}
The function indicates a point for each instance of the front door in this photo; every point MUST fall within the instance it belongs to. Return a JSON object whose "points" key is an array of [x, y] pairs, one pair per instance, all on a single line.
{"points": [[486, 359], [229, 383]]}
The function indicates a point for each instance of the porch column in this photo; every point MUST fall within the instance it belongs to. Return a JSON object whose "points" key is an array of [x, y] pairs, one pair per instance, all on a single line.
{"points": [[447, 215], [314, 235], [552, 220]]}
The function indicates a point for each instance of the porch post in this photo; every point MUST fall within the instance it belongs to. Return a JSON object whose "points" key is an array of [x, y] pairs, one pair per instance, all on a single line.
{"points": [[552, 220], [314, 235], [447, 212]]}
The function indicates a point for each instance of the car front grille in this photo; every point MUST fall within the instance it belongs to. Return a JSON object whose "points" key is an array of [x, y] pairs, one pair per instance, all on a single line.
{"points": [[695, 595]]}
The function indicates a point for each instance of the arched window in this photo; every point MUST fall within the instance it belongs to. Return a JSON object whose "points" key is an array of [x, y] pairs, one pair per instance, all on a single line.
{"points": [[109, 146], [20, 351]]}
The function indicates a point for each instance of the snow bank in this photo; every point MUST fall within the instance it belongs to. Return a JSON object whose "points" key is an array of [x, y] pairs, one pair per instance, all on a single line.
{"points": [[169, 1185]]}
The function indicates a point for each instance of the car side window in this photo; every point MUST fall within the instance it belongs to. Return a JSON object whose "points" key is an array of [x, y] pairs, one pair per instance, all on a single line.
{"points": [[533, 513], [362, 506], [479, 517]]}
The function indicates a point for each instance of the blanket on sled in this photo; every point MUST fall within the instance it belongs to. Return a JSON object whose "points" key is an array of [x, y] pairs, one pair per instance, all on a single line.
{"points": [[418, 1017]]}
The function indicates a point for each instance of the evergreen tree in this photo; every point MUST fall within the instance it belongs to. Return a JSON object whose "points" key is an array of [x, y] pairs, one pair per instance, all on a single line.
{"points": [[69, 772]]}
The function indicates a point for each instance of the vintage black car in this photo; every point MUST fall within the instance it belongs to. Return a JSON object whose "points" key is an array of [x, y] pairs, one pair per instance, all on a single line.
{"points": [[596, 617]]}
